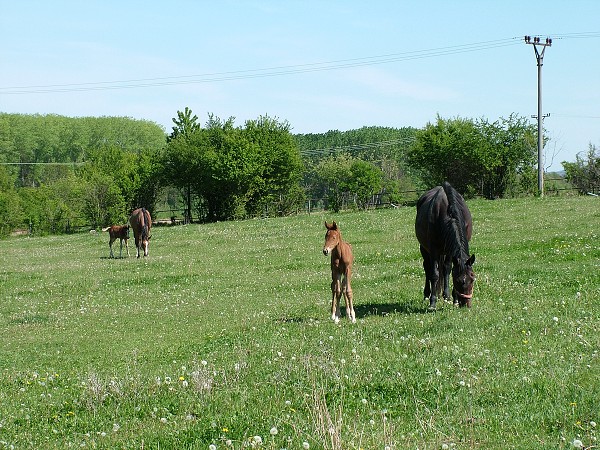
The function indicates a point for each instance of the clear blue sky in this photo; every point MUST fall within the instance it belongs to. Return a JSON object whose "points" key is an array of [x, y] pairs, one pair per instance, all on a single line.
{"points": [[320, 65]]}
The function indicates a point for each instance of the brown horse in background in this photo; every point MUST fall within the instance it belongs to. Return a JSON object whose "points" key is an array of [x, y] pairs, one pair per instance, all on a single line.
{"points": [[118, 232], [341, 271], [443, 227], [141, 222]]}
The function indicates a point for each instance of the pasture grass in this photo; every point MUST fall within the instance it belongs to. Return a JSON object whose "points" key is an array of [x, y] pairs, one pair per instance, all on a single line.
{"points": [[222, 337]]}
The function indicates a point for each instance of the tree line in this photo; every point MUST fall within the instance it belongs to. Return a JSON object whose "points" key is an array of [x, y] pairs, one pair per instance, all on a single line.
{"points": [[58, 174]]}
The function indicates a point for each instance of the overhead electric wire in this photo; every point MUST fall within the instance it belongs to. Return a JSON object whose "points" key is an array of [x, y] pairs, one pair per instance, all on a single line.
{"points": [[259, 73], [279, 70], [355, 147]]}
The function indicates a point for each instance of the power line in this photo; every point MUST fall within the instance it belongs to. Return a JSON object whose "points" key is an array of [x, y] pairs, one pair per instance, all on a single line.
{"points": [[42, 163], [575, 116], [355, 147], [277, 70], [259, 73]]}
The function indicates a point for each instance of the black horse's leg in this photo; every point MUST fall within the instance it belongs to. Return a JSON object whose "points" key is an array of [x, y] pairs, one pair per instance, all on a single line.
{"points": [[446, 274], [430, 265], [427, 288], [434, 276]]}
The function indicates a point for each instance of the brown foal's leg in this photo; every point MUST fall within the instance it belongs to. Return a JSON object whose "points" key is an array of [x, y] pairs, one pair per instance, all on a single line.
{"points": [[347, 289], [336, 294]]}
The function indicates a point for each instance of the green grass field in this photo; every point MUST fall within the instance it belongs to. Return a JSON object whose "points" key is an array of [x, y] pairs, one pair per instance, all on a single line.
{"points": [[222, 337]]}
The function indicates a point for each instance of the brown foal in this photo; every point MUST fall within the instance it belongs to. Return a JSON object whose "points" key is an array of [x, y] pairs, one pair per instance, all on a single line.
{"points": [[341, 271]]}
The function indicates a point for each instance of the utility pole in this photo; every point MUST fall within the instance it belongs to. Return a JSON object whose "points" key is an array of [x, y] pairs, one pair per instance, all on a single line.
{"points": [[539, 56]]}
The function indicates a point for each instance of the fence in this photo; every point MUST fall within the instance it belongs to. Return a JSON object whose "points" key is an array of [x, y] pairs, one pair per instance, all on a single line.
{"points": [[171, 217]]}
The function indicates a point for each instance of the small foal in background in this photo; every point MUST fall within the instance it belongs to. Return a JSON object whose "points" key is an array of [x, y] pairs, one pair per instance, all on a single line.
{"points": [[341, 271]]}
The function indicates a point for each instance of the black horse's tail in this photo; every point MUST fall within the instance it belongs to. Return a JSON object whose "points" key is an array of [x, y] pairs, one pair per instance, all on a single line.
{"points": [[454, 210]]}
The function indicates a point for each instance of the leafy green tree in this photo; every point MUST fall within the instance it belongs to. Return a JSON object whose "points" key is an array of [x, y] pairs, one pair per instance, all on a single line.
{"points": [[181, 145], [117, 148], [334, 173], [235, 172], [478, 158], [185, 124], [103, 203], [365, 180], [278, 171], [584, 173], [384, 147], [507, 157], [10, 206]]}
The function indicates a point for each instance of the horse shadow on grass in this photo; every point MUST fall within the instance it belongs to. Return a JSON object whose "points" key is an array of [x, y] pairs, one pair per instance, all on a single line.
{"points": [[365, 310]]}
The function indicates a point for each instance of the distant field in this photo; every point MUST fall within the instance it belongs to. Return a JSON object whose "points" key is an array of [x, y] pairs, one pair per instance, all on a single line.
{"points": [[222, 337]]}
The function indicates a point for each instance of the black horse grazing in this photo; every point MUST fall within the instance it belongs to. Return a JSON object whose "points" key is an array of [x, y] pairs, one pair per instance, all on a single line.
{"points": [[444, 227]]}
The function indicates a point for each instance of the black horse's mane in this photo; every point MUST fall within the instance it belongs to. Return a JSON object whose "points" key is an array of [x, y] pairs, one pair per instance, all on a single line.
{"points": [[455, 229]]}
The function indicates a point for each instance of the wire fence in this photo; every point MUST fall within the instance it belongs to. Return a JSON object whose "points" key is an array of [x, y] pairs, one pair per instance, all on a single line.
{"points": [[180, 216]]}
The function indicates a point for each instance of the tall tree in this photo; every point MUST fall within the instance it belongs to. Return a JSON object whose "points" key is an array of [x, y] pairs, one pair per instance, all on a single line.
{"points": [[186, 123], [279, 166], [477, 157], [365, 181]]}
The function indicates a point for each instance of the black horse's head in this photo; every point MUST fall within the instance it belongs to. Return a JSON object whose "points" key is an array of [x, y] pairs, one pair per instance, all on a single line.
{"points": [[463, 279]]}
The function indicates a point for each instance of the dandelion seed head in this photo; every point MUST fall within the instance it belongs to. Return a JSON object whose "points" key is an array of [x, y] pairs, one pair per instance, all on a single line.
{"points": [[212, 447], [273, 431], [305, 445], [577, 443]]}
